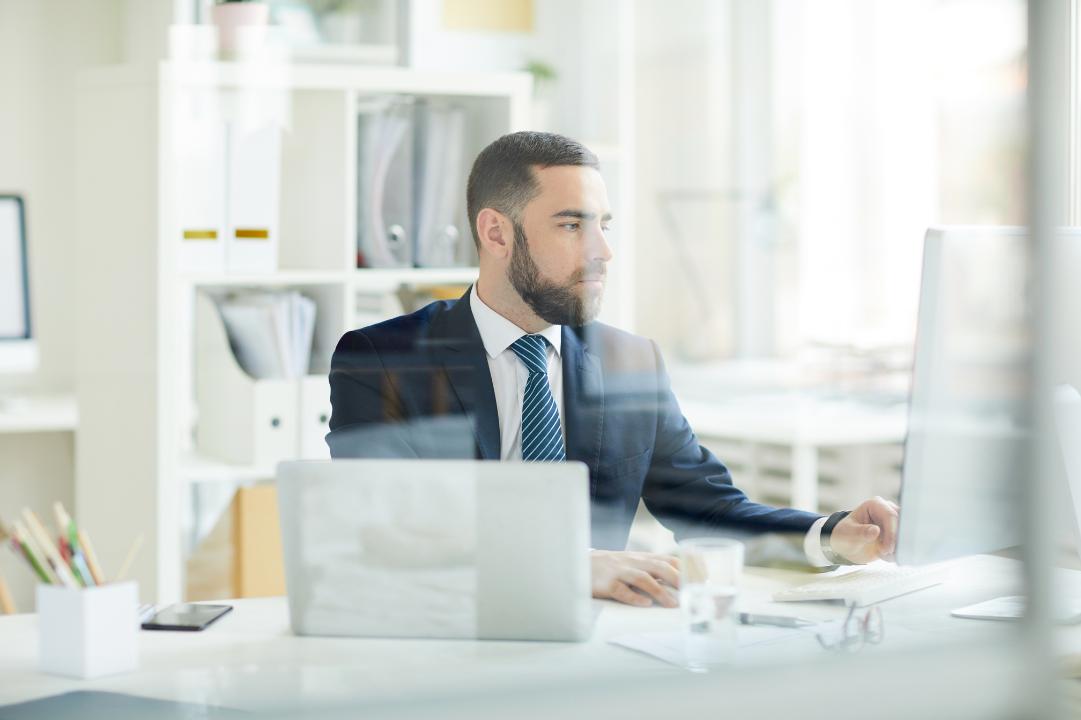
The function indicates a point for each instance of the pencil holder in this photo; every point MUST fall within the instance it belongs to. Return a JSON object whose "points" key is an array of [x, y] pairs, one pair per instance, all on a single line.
{"points": [[88, 633]]}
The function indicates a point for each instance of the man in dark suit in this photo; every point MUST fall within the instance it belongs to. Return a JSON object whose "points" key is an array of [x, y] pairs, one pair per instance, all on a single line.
{"points": [[519, 367]]}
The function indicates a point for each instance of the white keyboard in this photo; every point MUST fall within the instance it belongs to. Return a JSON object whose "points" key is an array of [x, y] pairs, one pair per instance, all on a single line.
{"points": [[866, 585]]}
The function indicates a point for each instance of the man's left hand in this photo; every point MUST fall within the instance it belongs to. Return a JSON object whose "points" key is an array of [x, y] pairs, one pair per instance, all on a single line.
{"points": [[868, 533]]}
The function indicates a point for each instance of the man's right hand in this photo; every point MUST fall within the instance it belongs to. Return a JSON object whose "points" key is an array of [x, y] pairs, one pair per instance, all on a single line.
{"points": [[635, 578]]}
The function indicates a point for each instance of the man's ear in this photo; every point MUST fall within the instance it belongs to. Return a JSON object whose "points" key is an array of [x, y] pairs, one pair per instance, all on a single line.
{"points": [[495, 232]]}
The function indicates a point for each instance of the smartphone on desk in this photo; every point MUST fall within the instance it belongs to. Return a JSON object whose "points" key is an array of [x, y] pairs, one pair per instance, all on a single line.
{"points": [[185, 616]]}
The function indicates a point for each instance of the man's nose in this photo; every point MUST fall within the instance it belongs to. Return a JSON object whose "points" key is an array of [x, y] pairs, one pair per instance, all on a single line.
{"points": [[600, 249]]}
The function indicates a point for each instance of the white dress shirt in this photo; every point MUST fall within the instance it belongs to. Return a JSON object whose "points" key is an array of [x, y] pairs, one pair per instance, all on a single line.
{"points": [[509, 377], [509, 374]]}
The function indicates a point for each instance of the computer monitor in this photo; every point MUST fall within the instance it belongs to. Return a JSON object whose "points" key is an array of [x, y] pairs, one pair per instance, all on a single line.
{"points": [[18, 349], [1067, 408], [964, 462]]}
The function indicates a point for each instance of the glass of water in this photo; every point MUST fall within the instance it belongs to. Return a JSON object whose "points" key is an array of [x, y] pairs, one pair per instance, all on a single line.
{"points": [[710, 570]]}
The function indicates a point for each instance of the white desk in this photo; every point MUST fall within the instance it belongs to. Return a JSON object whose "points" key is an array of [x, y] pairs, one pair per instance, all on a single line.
{"points": [[250, 659]]}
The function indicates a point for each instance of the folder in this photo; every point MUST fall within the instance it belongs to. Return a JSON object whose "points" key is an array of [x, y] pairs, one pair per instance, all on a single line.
{"points": [[199, 153], [253, 198], [385, 223], [255, 334], [271, 333], [242, 418], [440, 186]]}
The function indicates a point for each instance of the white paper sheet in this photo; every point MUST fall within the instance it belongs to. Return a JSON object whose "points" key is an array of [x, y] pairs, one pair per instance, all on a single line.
{"points": [[271, 333], [669, 646]]}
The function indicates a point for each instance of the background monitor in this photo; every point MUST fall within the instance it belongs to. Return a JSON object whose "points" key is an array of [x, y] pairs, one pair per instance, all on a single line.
{"points": [[18, 350], [964, 466]]}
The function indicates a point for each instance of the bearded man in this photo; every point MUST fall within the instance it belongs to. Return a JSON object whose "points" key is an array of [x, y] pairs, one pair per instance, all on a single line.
{"points": [[520, 360]]}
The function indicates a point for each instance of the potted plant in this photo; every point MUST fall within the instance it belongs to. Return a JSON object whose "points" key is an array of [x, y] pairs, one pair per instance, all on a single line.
{"points": [[229, 15], [544, 78]]}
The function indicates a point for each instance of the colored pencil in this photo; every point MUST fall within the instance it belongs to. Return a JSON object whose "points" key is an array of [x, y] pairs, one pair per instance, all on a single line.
{"points": [[29, 551], [130, 558], [63, 573], [91, 558], [69, 546], [7, 604]]}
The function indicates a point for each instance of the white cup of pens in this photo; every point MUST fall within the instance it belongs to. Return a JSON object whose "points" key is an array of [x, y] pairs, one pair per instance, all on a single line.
{"points": [[87, 624]]}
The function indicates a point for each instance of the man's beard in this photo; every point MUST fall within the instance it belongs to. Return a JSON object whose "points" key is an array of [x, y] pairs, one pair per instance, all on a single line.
{"points": [[558, 304]]}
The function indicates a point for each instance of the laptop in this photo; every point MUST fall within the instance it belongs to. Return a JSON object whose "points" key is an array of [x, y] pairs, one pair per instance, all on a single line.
{"points": [[437, 548]]}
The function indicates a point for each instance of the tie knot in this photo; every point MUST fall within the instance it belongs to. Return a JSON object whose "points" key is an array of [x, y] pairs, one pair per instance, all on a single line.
{"points": [[532, 350]]}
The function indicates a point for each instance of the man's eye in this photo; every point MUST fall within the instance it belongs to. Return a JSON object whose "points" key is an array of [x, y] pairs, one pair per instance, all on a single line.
{"points": [[606, 228], [570, 226]]}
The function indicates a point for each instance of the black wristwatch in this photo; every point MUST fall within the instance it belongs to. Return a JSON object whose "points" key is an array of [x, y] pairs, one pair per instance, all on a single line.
{"points": [[827, 530]]}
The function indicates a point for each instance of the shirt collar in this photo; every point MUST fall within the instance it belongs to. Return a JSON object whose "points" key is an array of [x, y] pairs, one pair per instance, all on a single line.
{"points": [[498, 333]]}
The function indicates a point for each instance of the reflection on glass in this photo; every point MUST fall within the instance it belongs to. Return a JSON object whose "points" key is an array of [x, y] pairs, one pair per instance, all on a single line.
{"points": [[857, 630]]}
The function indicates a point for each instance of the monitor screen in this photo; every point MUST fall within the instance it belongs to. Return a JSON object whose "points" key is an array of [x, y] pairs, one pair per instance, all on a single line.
{"points": [[964, 457], [14, 307]]}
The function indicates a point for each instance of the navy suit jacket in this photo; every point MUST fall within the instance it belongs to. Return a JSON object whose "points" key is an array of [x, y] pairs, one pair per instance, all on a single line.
{"points": [[401, 387]]}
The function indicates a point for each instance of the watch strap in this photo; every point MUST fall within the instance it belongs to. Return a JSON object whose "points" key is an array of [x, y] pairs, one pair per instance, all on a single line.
{"points": [[827, 532]]}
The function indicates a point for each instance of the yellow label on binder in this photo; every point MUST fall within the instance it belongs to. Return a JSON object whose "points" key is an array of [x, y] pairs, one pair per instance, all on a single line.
{"points": [[251, 234], [200, 234]]}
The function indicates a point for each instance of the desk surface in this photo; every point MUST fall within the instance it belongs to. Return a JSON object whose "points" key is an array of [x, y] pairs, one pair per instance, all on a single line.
{"points": [[251, 660]]}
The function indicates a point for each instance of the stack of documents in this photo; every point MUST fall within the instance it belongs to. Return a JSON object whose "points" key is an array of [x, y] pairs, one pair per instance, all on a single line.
{"points": [[271, 333]]}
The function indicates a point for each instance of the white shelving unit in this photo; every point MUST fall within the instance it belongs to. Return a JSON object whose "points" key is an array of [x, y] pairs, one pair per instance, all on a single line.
{"points": [[135, 462], [38, 414]]}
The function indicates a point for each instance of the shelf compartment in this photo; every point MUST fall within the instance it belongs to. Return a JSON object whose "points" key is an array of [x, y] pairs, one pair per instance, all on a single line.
{"points": [[387, 279], [281, 278]]}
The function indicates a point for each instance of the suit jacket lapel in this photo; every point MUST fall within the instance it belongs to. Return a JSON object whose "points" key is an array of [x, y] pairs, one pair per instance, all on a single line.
{"points": [[583, 399], [457, 348]]}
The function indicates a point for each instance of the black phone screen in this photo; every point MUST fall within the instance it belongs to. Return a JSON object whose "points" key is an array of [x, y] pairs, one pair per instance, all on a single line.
{"points": [[186, 616]]}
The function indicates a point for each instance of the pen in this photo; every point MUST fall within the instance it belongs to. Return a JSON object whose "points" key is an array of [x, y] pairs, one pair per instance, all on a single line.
{"points": [[69, 546], [775, 620], [130, 558], [24, 541], [78, 562], [68, 554], [91, 558], [65, 550], [59, 567]]}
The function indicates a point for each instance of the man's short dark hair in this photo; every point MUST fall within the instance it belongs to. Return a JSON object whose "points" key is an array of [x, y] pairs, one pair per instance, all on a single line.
{"points": [[502, 176]]}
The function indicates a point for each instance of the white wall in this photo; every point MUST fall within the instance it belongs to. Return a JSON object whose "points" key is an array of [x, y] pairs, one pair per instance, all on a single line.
{"points": [[553, 40], [683, 138], [43, 44]]}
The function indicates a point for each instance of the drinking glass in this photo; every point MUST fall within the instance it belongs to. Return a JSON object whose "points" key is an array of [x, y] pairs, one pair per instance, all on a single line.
{"points": [[710, 570]]}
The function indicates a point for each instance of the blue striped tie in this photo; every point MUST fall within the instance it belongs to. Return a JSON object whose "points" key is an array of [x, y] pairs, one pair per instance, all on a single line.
{"points": [[542, 438]]}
